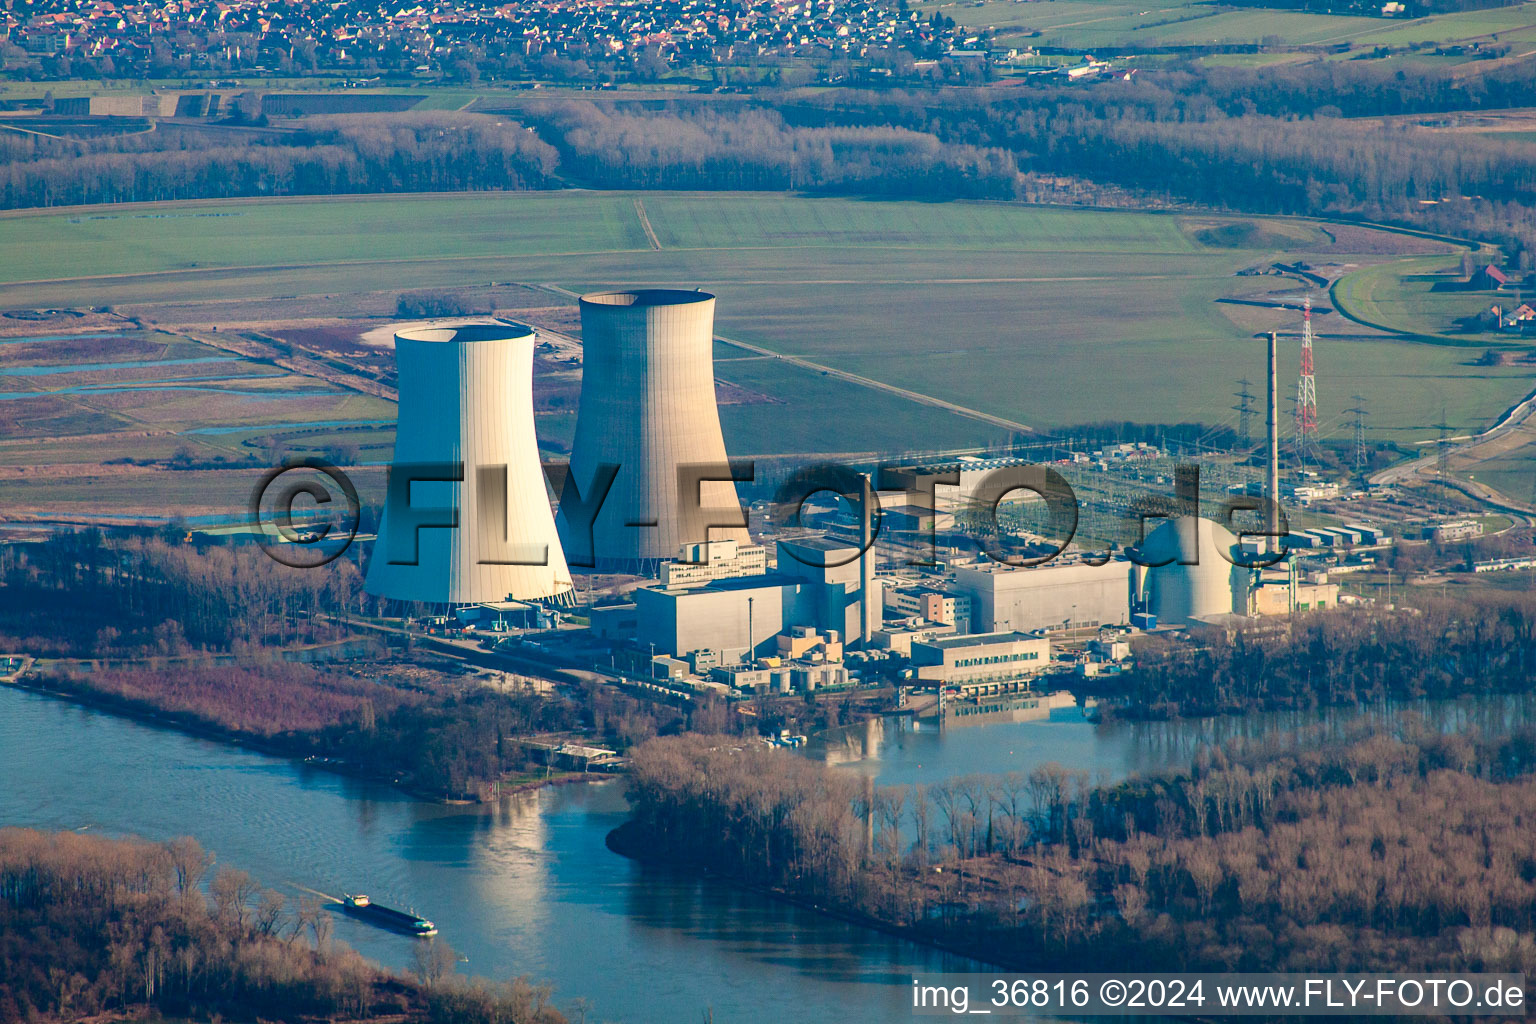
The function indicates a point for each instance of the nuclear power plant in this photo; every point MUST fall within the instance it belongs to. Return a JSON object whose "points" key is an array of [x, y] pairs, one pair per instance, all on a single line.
{"points": [[466, 401], [648, 410], [468, 527]]}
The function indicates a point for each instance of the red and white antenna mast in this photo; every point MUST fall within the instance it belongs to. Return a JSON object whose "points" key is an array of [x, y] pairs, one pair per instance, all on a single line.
{"points": [[1306, 387]]}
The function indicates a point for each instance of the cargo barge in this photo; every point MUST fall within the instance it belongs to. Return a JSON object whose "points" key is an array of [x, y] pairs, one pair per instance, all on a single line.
{"points": [[361, 906]]}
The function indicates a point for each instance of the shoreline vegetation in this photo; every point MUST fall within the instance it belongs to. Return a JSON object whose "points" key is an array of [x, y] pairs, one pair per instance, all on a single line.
{"points": [[1475, 643], [128, 929], [293, 748], [1389, 847], [197, 635]]}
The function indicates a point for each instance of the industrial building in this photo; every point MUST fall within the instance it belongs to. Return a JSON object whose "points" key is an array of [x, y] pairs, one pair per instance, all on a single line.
{"points": [[648, 408], [740, 616], [723, 614], [466, 400], [907, 600], [847, 592], [1060, 594], [782, 678], [1461, 529], [1282, 591], [900, 636], [716, 560], [981, 664]]}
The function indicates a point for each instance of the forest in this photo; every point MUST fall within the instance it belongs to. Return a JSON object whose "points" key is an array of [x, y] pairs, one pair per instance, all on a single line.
{"points": [[88, 594], [1381, 846], [362, 153], [124, 927], [754, 149], [1235, 139], [1478, 643]]}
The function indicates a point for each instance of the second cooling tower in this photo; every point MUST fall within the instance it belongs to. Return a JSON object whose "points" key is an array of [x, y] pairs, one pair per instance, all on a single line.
{"points": [[648, 408], [467, 516]]}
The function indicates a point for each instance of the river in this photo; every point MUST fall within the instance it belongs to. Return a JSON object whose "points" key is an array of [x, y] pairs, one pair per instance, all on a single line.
{"points": [[527, 886]]}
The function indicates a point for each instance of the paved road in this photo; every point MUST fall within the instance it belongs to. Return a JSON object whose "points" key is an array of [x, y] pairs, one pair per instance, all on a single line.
{"points": [[1516, 429]]}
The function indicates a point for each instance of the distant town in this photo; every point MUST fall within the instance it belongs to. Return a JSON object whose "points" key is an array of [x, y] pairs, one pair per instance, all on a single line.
{"points": [[467, 41]]}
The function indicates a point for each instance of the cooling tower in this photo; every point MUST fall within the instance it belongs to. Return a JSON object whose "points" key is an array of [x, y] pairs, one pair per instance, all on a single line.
{"points": [[466, 399], [647, 407]]}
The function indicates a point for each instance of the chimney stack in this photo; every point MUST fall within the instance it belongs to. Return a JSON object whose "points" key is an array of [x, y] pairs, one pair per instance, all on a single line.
{"points": [[1272, 462]]}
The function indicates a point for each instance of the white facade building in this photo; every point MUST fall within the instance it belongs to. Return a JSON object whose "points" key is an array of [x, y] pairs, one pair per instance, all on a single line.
{"points": [[716, 560], [1052, 596]]}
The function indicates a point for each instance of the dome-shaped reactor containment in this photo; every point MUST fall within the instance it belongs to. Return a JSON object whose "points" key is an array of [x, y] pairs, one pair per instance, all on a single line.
{"points": [[1197, 576], [648, 410], [466, 411]]}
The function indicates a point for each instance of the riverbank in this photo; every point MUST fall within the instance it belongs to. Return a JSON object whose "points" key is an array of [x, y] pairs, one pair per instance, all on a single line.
{"points": [[139, 936], [521, 886], [1192, 870], [629, 841], [302, 747]]}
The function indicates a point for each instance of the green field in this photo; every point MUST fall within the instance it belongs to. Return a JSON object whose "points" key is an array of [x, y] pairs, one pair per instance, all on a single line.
{"points": [[1402, 296], [1046, 317], [1105, 24]]}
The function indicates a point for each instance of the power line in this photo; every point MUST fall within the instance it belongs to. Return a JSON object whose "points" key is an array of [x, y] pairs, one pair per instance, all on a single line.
{"points": [[1244, 410], [1360, 414], [1443, 447]]}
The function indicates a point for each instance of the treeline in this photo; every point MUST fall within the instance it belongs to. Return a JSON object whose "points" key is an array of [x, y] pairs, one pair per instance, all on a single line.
{"points": [[410, 152], [89, 595], [753, 148], [1443, 648], [92, 926], [1391, 848], [1356, 89], [428, 302], [1180, 137]]}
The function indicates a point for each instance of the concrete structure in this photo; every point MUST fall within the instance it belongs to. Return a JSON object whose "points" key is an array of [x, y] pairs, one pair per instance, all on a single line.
{"points": [[648, 407], [799, 676], [1049, 596], [466, 399], [716, 560], [721, 615], [802, 643], [918, 600], [1449, 533], [900, 637], [1285, 597], [852, 608], [1185, 576], [982, 663], [614, 621]]}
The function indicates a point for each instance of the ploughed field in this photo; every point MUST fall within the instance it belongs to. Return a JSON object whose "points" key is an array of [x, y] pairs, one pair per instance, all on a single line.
{"points": [[846, 325]]}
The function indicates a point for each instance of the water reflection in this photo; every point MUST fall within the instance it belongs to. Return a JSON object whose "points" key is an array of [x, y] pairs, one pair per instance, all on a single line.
{"points": [[527, 886], [524, 886], [899, 750]]}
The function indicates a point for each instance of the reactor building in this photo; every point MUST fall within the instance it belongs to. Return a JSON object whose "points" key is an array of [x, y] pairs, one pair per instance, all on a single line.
{"points": [[467, 516], [648, 421], [1187, 572]]}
